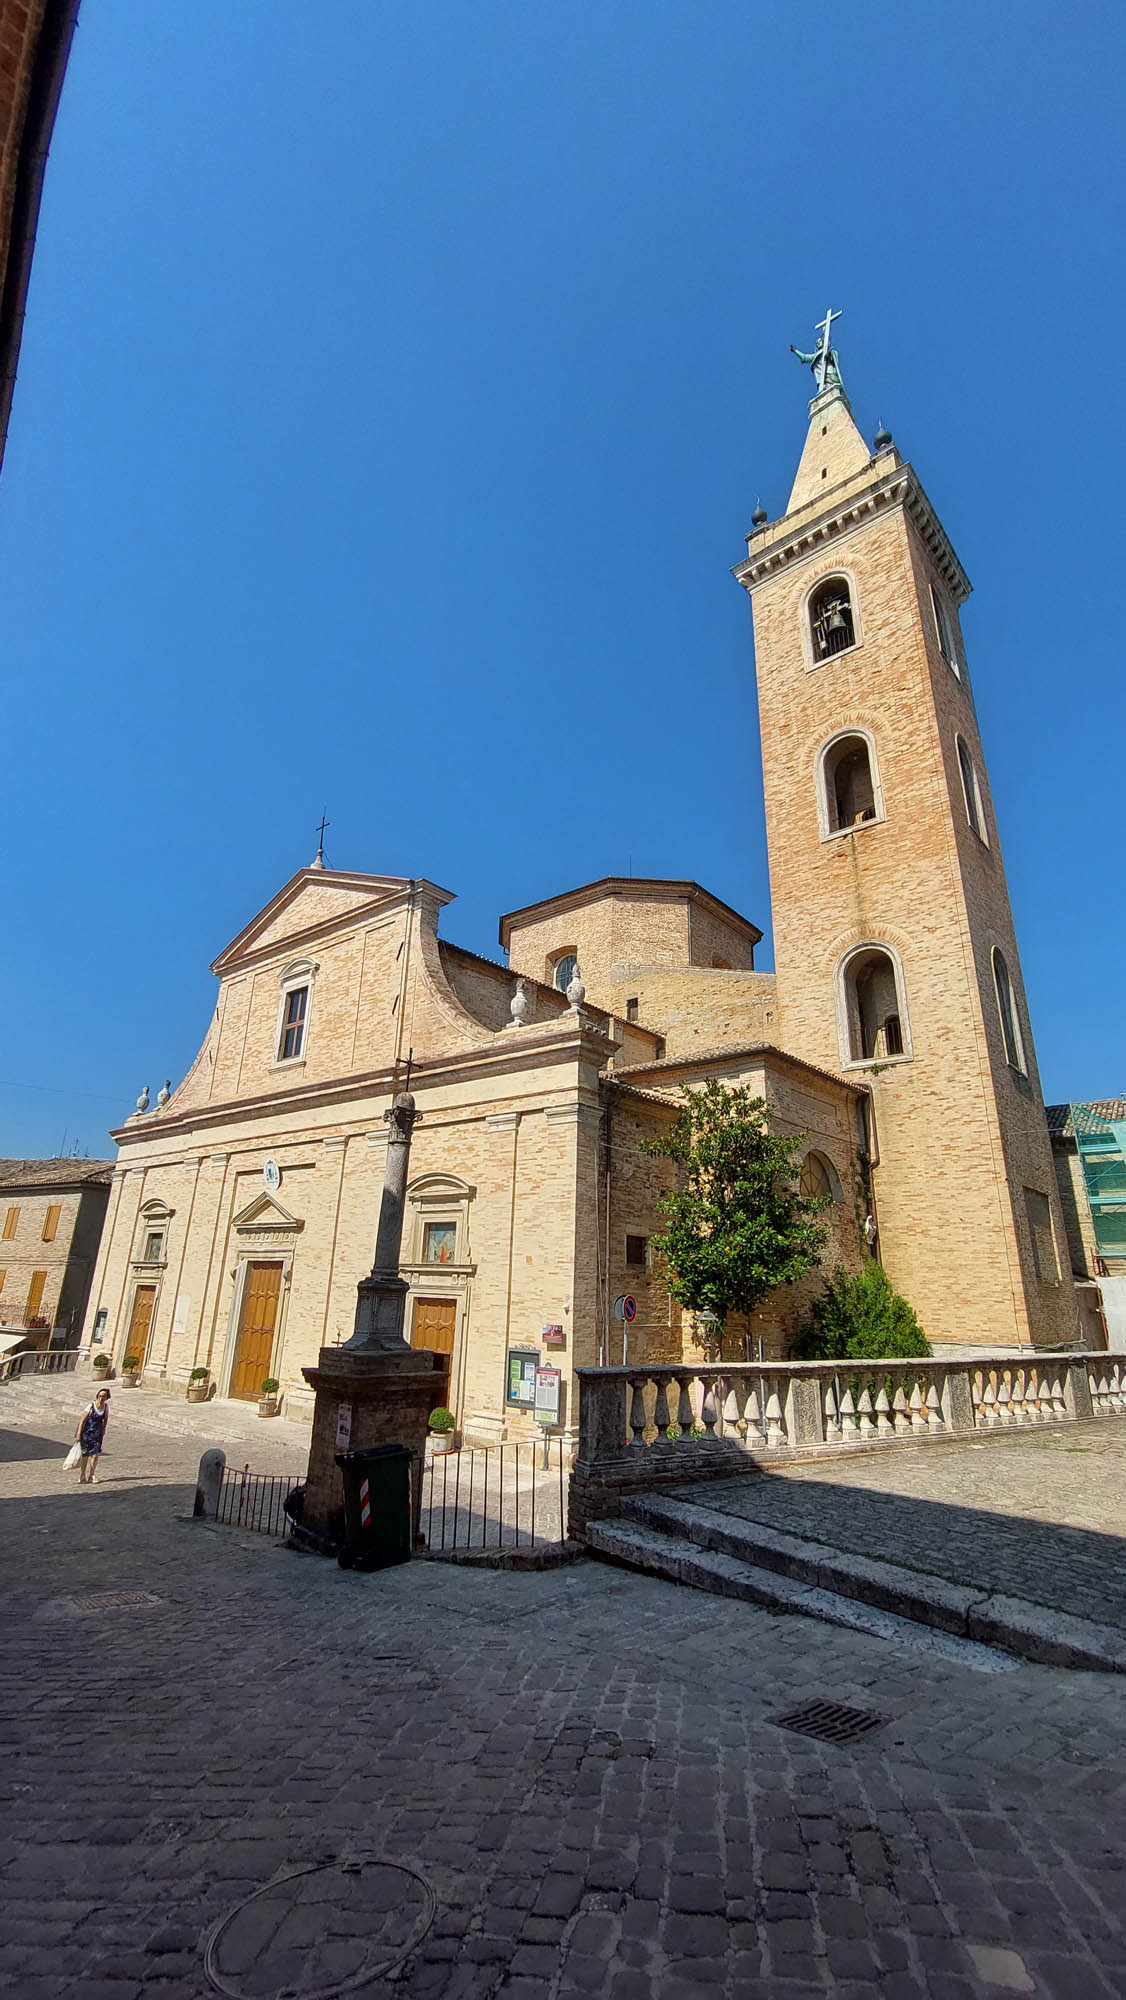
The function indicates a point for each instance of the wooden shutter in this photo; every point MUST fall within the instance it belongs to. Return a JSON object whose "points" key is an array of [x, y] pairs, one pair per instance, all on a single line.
{"points": [[34, 1295], [10, 1221], [51, 1221]]}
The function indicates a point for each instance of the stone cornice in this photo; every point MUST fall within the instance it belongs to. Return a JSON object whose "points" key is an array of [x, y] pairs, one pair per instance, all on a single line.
{"points": [[900, 487], [549, 1047]]}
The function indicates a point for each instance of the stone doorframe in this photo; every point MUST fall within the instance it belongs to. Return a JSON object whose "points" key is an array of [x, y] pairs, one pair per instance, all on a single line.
{"points": [[264, 1233]]}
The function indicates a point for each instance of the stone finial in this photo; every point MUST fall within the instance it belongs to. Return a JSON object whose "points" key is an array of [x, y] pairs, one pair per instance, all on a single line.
{"points": [[576, 992], [164, 1093], [143, 1100], [520, 1007], [760, 517], [883, 439]]}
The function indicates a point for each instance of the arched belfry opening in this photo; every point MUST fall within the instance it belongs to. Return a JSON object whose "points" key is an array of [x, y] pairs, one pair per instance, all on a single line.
{"points": [[848, 784], [832, 627], [873, 1006]]}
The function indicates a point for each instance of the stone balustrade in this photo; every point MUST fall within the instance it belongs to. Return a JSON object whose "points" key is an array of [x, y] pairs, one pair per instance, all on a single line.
{"points": [[641, 1427]]}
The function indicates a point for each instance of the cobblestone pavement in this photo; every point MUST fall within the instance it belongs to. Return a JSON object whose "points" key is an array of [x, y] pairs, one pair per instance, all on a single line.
{"points": [[1038, 1513], [578, 1766]]}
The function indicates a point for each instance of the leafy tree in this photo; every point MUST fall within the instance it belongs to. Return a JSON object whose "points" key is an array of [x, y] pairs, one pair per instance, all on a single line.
{"points": [[736, 1225], [860, 1318]]}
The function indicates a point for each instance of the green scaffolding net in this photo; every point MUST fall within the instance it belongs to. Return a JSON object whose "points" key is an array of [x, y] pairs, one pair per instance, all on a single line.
{"points": [[1100, 1134]]}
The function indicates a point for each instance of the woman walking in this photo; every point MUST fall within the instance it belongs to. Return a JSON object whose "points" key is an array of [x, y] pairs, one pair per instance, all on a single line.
{"points": [[90, 1435]]}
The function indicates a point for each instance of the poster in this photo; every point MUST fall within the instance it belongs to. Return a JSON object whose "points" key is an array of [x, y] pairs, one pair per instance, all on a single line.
{"points": [[547, 1395]]}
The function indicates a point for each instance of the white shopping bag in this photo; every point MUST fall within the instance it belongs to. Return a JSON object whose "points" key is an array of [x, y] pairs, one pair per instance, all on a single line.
{"points": [[72, 1458]]}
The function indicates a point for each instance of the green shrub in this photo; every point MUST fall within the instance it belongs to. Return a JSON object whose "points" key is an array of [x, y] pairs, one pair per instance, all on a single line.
{"points": [[131, 1362], [860, 1318], [270, 1386], [441, 1420], [101, 1360], [199, 1375]]}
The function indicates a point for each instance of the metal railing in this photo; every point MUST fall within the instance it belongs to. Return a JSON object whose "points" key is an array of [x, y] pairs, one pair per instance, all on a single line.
{"points": [[500, 1496], [255, 1500], [40, 1361]]}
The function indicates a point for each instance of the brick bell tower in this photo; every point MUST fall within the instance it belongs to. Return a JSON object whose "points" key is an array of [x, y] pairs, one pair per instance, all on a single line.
{"points": [[896, 958]]}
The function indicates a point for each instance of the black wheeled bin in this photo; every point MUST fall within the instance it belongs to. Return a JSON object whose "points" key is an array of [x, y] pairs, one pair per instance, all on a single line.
{"points": [[377, 1506]]}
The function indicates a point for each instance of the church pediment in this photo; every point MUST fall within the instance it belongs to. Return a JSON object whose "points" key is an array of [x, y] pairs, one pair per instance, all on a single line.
{"points": [[315, 900], [265, 1214]]}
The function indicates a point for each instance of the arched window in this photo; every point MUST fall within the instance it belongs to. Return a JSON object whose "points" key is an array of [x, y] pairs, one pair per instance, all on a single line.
{"points": [[944, 627], [1010, 1016], [849, 793], [873, 1006], [818, 1179], [971, 790], [563, 971], [831, 625]]}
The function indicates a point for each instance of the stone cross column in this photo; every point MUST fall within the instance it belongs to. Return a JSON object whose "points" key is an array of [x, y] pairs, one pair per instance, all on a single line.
{"points": [[381, 1296]]}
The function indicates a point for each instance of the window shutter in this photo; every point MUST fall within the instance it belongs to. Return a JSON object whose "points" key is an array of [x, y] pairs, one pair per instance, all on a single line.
{"points": [[51, 1221], [34, 1295], [10, 1221]]}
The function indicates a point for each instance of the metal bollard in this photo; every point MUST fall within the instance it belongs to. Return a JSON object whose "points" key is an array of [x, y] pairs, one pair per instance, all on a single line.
{"points": [[209, 1479]]}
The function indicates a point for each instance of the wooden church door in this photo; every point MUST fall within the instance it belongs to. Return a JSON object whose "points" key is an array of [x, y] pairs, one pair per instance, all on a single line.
{"points": [[255, 1348]]}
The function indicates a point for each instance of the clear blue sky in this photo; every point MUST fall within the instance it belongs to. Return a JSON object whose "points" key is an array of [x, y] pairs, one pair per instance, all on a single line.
{"points": [[397, 385]]}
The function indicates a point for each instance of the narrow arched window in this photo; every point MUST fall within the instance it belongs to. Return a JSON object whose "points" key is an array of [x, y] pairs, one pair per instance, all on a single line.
{"points": [[1010, 1016], [970, 789], [874, 1007], [848, 784], [944, 627], [832, 628]]}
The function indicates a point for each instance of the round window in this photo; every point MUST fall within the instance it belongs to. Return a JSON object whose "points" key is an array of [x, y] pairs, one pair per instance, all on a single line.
{"points": [[565, 971]]}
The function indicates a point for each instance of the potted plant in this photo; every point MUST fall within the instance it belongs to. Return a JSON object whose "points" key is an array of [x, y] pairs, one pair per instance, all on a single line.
{"points": [[131, 1370], [199, 1385], [268, 1405], [440, 1424], [102, 1367]]}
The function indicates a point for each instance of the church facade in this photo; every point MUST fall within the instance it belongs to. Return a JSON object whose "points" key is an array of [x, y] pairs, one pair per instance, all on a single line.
{"points": [[893, 1036]]}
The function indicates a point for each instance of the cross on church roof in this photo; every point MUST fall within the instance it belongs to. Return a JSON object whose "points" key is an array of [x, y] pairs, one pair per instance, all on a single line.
{"points": [[319, 857], [823, 360]]}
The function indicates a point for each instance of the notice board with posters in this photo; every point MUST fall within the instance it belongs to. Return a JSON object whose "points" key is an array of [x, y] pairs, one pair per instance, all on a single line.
{"points": [[521, 1364]]}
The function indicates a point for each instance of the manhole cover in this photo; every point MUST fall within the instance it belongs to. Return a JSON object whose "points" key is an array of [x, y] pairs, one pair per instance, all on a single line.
{"points": [[829, 1721], [114, 1600], [319, 1930]]}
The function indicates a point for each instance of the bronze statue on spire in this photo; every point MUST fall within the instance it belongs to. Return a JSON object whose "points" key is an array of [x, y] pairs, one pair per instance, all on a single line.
{"points": [[824, 360]]}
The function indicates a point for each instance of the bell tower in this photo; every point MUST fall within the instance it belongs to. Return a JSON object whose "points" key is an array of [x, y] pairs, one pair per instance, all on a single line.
{"points": [[896, 960]]}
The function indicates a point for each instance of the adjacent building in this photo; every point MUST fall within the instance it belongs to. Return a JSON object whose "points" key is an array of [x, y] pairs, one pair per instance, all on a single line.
{"points": [[51, 1215]]}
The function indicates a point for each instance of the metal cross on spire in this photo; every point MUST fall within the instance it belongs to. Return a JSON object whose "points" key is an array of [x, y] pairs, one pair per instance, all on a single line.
{"points": [[319, 861], [823, 360]]}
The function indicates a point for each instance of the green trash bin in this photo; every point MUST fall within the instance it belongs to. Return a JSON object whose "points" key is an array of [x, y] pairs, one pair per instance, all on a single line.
{"points": [[377, 1506]]}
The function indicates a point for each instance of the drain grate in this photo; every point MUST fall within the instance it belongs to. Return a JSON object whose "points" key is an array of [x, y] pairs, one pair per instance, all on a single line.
{"points": [[114, 1600], [830, 1721]]}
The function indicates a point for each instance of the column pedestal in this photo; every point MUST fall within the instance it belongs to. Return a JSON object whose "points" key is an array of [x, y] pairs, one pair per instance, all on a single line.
{"points": [[364, 1399]]}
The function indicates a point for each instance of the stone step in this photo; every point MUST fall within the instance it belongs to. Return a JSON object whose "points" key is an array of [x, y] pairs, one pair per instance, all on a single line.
{"points": [[661, 1554], [1029, 1631]]}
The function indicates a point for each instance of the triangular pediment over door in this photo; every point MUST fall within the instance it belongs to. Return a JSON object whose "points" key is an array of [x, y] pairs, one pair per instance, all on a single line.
{"points": [[266, 1213]]}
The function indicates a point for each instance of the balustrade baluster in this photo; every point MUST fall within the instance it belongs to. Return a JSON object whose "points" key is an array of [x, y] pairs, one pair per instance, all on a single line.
{"points": [[685, 1414], [832, 1427], [899, 1406], [864, 1407], [916, 1405], [753, 1417], [986, 1411], [934, 1409], [637, 1408], [708, 1410], [775, 1430], [1003, 1410], [661, 1408], [884, 1425], [1059, 1400], [1117, 1398], [850, 1429], [731, 1416], [1020, 1398]]}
